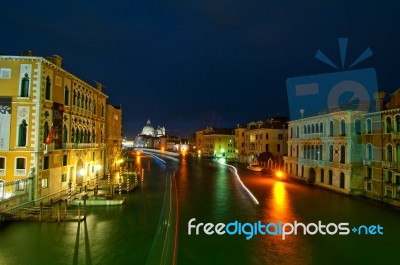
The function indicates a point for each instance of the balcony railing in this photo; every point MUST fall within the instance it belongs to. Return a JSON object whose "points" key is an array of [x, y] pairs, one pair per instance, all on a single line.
{"points": [[367, 162], [395, 135], [20, 172], [80, 145], [387, 164]]}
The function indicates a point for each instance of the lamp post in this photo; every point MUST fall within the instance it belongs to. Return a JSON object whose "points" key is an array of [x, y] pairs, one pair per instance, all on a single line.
{"points": [[96, 188], [82, 172]]}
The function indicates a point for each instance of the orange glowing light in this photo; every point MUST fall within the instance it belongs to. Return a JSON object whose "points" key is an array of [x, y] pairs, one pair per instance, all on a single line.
{"points": [[138, 153]]}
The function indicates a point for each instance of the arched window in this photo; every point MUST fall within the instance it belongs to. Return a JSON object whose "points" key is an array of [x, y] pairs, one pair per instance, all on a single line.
{"points": [[320, 152], [369, 152], [342, 180], [369, 126], [357, 126], [331, 153], [22, 133], [322, 175], [312, 128], [397, 118], [317, 128], [79, 136], [48, 88], [297, 132], [78, 103], [74, 99], [330, 128], [342, 128], [72, 135], [45, 131], [388, 124], [330, 176], [321, 128], [389, 153], [342, 154], [65, 134], [312, 152], [308, 128], [66, 96], [24, 92]]}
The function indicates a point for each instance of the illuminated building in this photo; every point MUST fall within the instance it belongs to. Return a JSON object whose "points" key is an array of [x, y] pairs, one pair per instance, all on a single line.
{"points": [[265, 137], [326, 150], [52, 128], [216, 142], [149, 137], [113, 138], [239, 143], [381, 150]]}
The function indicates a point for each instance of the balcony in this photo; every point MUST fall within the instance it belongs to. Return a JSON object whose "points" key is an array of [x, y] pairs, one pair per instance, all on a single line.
{"points": [[2, 172], [20, 172], [367, 162], [395, 135], [80, 145], [387, 164]]}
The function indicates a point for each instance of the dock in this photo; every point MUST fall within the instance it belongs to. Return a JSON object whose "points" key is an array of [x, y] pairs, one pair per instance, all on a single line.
{"points": [[40, 213]]}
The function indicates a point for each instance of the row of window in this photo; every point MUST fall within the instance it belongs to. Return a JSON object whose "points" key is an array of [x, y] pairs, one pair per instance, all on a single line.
{"points": [[316, 153], [79, 100], [318, 127]]}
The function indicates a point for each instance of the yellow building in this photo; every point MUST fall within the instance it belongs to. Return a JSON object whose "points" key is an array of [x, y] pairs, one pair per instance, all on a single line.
{"points": [[52, 129], [239, 143], [113, 138], [216, 142]]}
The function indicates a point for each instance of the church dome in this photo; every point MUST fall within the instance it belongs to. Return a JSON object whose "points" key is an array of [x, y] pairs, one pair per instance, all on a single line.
{"points": [[148, 129]]}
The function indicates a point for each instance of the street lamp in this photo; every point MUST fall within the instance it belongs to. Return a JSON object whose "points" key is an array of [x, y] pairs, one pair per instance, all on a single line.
{"points": [[98, 167], [82, 172]]}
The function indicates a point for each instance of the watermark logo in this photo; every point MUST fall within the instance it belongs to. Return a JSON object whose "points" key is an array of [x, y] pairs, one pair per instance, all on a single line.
{"points": [[345, 89], [282, 229]]}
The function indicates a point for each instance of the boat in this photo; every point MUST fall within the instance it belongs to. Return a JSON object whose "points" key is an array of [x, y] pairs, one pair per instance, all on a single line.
{"points": [[255, 167]]}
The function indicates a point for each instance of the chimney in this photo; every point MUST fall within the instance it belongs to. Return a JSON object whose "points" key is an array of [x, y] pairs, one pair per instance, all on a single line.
{"points": [[302, 113], [99, 86], [27, 53], [379, 96], [57, 60]]}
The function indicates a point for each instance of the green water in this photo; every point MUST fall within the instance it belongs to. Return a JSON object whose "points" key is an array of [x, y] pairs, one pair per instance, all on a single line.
{"points": [[152, 227]]}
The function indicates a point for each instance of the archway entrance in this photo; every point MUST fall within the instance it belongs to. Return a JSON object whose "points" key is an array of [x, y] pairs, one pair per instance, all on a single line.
{"points": [[311, 176], [78, 174]]}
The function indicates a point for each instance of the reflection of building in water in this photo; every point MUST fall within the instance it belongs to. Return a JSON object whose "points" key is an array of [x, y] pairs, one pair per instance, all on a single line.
{"points": [[149, 137]]}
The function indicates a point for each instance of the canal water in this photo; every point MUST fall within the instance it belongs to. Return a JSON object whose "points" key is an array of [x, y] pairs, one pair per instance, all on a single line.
{"points": [[152, 227]]}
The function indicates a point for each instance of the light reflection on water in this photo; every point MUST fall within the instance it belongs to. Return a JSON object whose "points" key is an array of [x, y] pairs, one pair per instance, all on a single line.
{"points": [[278, 208], [210, 193]]}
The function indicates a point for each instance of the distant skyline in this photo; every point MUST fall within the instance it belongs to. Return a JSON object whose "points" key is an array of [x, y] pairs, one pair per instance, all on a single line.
{"points": [[186, 65]]}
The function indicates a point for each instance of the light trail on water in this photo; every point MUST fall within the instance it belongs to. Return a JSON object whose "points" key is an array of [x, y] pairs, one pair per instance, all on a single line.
{"points": [[254, 199]]}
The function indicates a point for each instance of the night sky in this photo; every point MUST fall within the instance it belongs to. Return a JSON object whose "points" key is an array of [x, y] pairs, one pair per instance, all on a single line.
{"points": [[195, 63]]}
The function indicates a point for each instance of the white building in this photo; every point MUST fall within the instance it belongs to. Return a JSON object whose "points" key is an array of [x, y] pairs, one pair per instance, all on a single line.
{"points": [[326, 150]]}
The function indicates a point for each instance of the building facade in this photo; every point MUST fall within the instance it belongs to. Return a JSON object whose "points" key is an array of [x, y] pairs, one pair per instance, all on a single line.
{"points": [[52, 133], [326, 150], [265, 137], [113, 138], [381, 141], [216, 142]]}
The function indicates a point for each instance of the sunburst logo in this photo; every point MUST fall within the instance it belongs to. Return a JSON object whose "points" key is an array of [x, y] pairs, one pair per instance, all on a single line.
{"points": [[345, 89]]}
